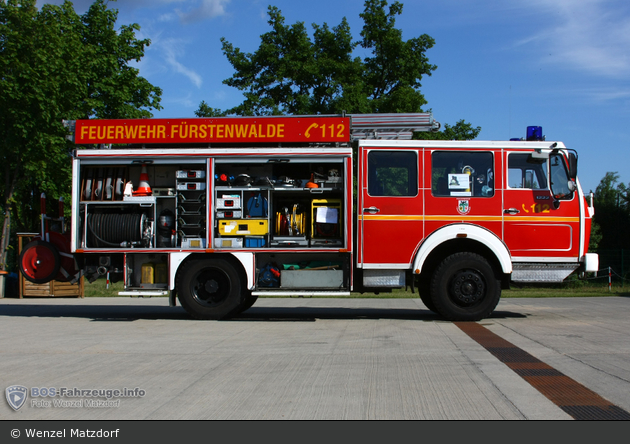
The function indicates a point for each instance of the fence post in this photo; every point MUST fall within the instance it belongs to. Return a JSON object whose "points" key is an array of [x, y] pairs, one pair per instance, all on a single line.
{"points": [[609, 280]]}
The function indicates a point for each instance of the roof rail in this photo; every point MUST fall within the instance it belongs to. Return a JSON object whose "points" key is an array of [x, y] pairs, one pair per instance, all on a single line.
{"points": [[391, 126]]}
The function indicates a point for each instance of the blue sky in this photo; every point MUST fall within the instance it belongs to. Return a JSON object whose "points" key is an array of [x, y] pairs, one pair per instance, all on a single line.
{"points": [[502, 64]]}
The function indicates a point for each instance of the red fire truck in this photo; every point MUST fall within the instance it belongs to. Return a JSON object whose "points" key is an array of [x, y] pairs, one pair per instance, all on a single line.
{"points": [[216, 212]]}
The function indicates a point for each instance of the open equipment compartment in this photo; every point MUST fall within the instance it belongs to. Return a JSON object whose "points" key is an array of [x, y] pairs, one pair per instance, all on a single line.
{"points": [[146, 271], [302, 271], [147, 203], [288, 202]]}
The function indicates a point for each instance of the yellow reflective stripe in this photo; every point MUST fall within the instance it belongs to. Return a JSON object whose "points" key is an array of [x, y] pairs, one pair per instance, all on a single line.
{"points": [[468, 218], [541, 219], [389, 217]]}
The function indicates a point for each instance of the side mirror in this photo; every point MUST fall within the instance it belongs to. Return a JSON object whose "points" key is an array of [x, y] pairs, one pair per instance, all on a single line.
{"points": [[572, 165], [561, 184]]}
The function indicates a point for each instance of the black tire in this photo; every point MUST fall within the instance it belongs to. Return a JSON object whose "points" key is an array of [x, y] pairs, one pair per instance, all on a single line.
{"points": [[424, 290], [464, 288], [210, 289], [247, 303]]}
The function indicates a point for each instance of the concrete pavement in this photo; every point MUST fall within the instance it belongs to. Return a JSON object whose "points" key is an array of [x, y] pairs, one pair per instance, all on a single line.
{"points": [[301, 358]]}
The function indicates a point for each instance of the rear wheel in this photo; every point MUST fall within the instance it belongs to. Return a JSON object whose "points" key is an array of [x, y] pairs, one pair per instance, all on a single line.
{"points": [[464, 288], [210, 289]]}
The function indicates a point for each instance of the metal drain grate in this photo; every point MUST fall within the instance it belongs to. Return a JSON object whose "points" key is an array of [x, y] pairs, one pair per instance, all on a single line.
{"points": [[568, 394]]}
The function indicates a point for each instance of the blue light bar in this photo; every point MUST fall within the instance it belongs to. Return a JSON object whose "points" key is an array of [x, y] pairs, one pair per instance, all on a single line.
{"points": [[535, 133]]}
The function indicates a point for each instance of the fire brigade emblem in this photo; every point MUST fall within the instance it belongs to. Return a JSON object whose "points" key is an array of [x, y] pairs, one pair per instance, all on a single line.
{"points": [[463, 206], [16, 396]]}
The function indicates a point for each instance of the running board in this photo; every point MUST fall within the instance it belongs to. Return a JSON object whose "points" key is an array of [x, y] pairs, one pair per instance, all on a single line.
{"points": [[142, 293], [300, 293], [539, 272]]}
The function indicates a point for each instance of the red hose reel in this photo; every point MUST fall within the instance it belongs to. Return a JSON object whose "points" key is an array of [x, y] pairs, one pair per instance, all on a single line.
{"points": [[47, 257]]}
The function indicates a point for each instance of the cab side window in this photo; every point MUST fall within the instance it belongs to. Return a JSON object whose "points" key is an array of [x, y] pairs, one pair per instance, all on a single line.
{"points": [[526, 172], [559, 178], [392, 173], [459, 173]]}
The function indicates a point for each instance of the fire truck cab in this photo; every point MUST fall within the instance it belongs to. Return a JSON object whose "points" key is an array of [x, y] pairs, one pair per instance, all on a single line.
{"points": [[216, 212]]}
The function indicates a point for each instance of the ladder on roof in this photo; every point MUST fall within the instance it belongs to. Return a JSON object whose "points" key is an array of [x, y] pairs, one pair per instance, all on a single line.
{"points": [[391, 126]]}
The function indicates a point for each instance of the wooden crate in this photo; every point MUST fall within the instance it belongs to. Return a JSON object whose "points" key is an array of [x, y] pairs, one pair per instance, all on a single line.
{"points": [[52, 288]]}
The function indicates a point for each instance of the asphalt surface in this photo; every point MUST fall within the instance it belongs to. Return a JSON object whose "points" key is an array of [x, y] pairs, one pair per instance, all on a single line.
{"points": [[305, 359]]}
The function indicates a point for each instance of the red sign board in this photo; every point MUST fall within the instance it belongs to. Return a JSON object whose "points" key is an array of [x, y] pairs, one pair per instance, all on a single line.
{"points": [[214, 130]]}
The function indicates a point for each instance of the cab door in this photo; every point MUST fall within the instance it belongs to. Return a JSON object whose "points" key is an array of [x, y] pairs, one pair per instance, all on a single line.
{"points": [[390, 223], [537, 225], [463, 188]]}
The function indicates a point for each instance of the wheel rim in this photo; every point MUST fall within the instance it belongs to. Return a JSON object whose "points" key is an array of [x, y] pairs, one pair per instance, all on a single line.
{"points": [[467, 288], [39, 262], [211, 287]]}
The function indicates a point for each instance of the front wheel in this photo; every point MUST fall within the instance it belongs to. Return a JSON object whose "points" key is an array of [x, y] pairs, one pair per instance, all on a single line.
{"points": [[247, 303], [425, 294], [210, 289], [464, 288]]}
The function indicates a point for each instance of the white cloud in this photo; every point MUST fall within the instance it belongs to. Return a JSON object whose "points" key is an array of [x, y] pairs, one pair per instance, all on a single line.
{"points": [[608, 94], [166, 17], [171, 48], [185, 101], [198, 10], [204, 10], [592, 36]]}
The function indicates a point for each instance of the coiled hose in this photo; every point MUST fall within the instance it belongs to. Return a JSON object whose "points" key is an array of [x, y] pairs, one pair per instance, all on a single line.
{"points": [[116, 230]]}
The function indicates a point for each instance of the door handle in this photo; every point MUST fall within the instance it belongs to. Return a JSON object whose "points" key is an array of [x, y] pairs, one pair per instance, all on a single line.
{"points": [[372, 210], [511, 211]]}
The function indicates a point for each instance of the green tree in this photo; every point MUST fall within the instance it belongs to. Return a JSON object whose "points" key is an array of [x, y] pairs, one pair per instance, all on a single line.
{"points": [[115, 90], [57, 65], [612, 212], [394, 71], [607, 193], [596, 237], [290, 73], [206, 110], [462, 130]]}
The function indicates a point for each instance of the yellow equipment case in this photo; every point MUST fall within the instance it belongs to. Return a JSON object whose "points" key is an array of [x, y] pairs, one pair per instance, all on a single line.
{"points": [[243, 227]]}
